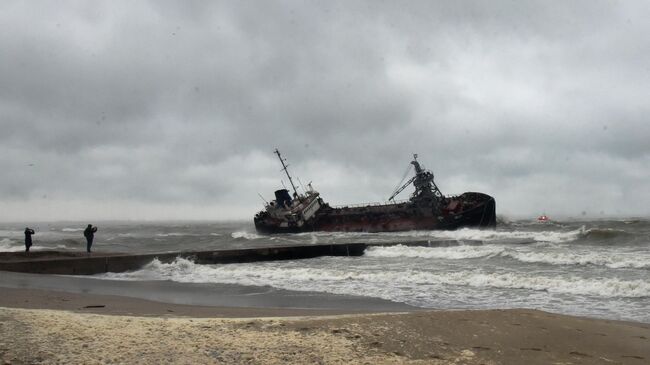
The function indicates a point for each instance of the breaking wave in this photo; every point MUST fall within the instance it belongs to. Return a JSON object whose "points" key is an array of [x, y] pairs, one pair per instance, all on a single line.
{"points": [[488, 235], [70, 242], [604, 233], [451, 253], [245, 235], [460, 235], [409, 283], [176, 234], [72, 229], [9, 245], [618, 260], [551, 236], [550, 255]]}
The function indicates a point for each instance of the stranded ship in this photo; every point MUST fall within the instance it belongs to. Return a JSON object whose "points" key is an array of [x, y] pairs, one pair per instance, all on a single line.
{"points": [[426, 209]]}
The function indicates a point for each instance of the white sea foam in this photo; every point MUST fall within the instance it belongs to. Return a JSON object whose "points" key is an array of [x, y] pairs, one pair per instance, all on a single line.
{"points": [[614, 260], [552, 255], [466, 234], [495, 235], [452, 253], [245, 235], [610, 287], [72, 229], [379, 283], [8, 245], [175, 234]]}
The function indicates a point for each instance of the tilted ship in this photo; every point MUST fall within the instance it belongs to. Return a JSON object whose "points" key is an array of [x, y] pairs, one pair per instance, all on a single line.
{"points": [[426, 209]]}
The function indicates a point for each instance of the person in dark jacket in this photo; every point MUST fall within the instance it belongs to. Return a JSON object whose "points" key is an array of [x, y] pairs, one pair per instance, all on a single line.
{"points": [[28, 238], [89, 233]]}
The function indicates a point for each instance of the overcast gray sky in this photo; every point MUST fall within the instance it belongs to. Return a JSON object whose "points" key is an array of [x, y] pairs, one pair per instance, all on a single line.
{"points": [[172, 109]]}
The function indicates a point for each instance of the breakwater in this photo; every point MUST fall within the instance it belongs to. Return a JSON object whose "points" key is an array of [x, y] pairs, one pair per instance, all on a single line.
{"points": [[78, 263], [56, 262]]}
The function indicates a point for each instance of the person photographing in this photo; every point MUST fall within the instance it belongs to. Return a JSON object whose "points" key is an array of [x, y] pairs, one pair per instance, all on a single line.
{"points": [[28, 238], [89, 233]]}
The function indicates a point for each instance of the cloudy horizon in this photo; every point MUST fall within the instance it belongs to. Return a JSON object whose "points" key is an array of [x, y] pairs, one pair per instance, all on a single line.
{"points": [[171, 110]]}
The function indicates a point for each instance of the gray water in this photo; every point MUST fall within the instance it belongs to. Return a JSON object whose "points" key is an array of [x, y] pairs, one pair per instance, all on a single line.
{"points": [[592, 268]]}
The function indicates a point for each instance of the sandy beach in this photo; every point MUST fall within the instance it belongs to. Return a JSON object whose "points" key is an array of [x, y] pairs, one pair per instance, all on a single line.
{"points": [[49, 327]]}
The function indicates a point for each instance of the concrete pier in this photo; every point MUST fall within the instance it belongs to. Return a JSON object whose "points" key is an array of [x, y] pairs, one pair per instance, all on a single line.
{"points": [[71, 263], [81, 263]]}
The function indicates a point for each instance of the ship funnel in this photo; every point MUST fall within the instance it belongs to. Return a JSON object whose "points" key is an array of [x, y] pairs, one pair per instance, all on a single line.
{"points": [[283, 198]]}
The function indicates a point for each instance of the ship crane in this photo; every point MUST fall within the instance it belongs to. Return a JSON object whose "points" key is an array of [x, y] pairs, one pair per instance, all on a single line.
{"points": [[425, 187], [399, 190]]}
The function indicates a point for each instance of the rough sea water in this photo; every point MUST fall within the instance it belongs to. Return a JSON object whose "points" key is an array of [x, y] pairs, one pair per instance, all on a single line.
{"points": [[591, 268]]}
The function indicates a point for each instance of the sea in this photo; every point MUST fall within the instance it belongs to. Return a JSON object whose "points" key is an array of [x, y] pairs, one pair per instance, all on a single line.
{"points": [[588, 268]]}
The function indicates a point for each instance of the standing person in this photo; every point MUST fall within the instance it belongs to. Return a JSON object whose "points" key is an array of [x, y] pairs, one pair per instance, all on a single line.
{"points": [[28, 238], [89, 233]]}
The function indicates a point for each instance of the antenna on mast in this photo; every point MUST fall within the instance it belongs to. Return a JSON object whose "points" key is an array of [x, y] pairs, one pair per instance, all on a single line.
{"points": [[264, 200], [284, 167], [301, 185]]}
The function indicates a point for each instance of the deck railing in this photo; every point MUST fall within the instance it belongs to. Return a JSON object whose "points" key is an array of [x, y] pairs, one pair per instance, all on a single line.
{"points": [[362, 205]]}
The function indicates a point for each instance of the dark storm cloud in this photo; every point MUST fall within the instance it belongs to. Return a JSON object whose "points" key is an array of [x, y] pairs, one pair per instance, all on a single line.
{"points": [[150, 107]]}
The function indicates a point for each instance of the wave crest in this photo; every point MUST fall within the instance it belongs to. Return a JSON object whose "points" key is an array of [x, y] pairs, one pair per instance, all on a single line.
{"points": [[72, 229], [469, 234], [8, 245], [538, 254], [379, 283], [245, 235], [604, 233], [634, 260], [451, 253]]}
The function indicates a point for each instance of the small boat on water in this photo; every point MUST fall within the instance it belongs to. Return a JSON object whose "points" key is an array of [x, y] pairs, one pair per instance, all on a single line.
{"points": [[426, 209], [543, 218]]}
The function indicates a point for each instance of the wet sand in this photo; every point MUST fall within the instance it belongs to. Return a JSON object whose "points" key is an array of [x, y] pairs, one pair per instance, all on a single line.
{"points": [[195, 294], [129, 306], [77, 330]]}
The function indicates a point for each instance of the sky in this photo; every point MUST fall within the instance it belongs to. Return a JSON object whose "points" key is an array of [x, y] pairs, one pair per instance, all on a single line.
{"points": [[147, 110]]}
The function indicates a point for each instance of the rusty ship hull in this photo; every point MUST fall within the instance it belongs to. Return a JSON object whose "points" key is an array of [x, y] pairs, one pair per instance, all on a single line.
{"points": [[427, 209], [394, 218]]}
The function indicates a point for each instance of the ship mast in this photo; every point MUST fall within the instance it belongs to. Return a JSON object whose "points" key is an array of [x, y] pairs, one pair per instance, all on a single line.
{"points": [[284, 167]]}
